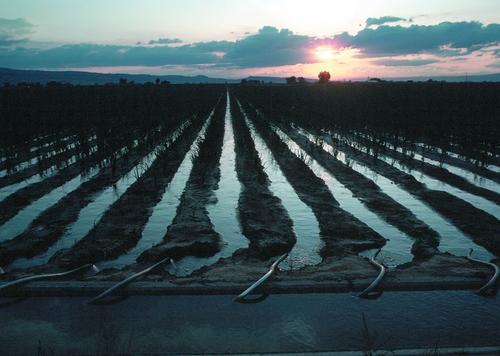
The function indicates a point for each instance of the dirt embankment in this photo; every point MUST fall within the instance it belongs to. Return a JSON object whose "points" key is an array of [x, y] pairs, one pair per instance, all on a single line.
{"points": [[264, 220], [121, 226], [49, 226], [191, 232], [59, 160], [481, 226], [439, 173], [369, 193], [341, 232]]}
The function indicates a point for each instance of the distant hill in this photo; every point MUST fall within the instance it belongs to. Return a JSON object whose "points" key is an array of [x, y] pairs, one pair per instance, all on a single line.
{"points": [[457, 78], [14, 76]]}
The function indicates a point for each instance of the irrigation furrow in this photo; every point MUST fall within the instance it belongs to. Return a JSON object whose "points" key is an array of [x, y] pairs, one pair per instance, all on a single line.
{"points": [[306, 251], [437, 172], [28, 193], [452, 239], [121, 226], [445, 158], [31, 145], [481, 226], [53, 222], [264, 220], [191, 232], [222, 213], [341, 232], [370, 194], [57, 161], [22, 159], [455, 152], [90, 215], [431, 182]]}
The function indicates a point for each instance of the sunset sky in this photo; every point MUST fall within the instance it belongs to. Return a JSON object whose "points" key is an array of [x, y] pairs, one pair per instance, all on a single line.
{"points": [[231, 38]]}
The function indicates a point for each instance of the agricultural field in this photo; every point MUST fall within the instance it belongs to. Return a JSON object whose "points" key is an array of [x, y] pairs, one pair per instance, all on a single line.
{"points": [[222, 180]]}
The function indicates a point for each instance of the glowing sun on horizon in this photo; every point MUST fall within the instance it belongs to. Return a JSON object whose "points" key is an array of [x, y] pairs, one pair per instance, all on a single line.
{"points": [[324, 53]]}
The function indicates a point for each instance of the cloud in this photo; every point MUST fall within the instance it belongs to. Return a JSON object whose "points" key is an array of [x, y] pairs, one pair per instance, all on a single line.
{"points": [[398, 40], [13, 32], [372, 21], [165, 41], [494, 65], [392, 62], [270, 47]]}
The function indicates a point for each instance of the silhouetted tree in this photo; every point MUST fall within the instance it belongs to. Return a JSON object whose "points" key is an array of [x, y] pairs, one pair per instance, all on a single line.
{"points": [[291, 80], [301, 80], [324, 77]]}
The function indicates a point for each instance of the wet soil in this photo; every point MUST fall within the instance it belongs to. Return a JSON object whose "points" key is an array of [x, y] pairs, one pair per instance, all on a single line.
{"points": [[341, 232], [191, 232], [264, 220], [121, 226]]}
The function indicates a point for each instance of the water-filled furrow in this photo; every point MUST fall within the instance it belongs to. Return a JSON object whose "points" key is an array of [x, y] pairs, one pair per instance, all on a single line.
{"points": [[452, 239], [454, 153], [25, 195], [263, 219], [436, 181], [121, 226], [481, 226], [306, 249], [472, 174], [163, 212], [21, 221], [398, 247], [437, 157], [47, 166], [15, 182], [191, 232], [370, 194], [90, 215], [49, 226], [223, 213], [459, 184], [32, 161], [22, 160]]}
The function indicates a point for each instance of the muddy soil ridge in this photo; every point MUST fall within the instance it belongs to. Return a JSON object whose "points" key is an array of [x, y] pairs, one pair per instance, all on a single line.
{"points": [[192, 232], [442, 157], [58, 160], [341, 232], [481, 226], [49, 226], [370, 194], [27, 155], [23, 197], [264, 220], [433, 171], [121, 226]]}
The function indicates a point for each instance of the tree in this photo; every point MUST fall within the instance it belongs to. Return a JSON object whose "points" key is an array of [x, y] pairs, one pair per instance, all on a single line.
{"points": [[301, 80], [291, 80], [324, 77]]}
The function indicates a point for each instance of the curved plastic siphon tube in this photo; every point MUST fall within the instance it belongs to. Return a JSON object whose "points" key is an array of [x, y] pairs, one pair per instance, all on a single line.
{"points": [[261, 280], [490, 287], [126, 281], [369, 292], [25, 280]]}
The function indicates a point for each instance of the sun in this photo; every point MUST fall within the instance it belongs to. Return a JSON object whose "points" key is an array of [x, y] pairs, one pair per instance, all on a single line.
{"points": [[324, 53]]}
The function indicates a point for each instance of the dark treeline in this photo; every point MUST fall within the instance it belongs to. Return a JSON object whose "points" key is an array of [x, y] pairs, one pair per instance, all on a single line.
{"points": [[462, 116], [109, 112]]}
